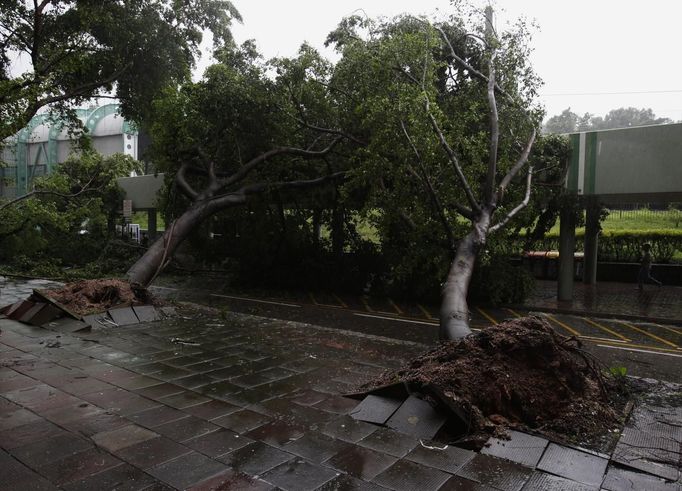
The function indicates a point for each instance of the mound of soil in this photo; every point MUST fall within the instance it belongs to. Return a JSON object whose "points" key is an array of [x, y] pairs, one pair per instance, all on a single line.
{"points": [[519, 373], [92, 296]]}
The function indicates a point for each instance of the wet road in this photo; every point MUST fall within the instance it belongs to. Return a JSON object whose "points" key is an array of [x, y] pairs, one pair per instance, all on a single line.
{"points": [[645, 349]]}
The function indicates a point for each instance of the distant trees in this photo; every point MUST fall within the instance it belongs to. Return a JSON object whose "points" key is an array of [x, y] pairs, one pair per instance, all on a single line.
{"points": [[624, 117]]}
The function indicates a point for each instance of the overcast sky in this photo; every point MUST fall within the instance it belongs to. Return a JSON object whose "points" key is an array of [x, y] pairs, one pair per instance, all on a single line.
{"points": [[596, 47]]}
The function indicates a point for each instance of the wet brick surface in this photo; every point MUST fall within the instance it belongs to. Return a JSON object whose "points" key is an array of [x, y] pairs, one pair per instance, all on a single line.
{"points": [[257, 405]]}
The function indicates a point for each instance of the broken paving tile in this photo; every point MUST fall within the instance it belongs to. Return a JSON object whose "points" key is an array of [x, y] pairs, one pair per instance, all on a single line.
{"points": [[624, 480], [146, 313], [124, 316], [521, 448], [67, 325], [418, 418], [375, 409], [573, 464]]}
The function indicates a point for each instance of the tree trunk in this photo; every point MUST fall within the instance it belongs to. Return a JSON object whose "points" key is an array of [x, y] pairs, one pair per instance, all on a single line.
{"points": [[162, 250], [454, 311]]}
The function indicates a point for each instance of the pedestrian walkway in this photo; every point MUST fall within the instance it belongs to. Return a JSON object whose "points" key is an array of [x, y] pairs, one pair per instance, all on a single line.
{"points": [[655, 304], [222, 400]]}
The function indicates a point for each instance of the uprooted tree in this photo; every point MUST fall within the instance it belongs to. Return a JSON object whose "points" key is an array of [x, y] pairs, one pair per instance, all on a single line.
{"points": [[237, 136], [452, 123]]}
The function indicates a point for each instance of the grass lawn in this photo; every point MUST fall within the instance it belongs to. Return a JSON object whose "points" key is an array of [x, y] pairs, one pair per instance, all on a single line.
{"points": [[642, 219]]}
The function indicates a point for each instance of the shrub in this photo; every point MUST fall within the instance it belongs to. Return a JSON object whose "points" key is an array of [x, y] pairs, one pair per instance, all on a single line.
{"points": [[497, 281]]}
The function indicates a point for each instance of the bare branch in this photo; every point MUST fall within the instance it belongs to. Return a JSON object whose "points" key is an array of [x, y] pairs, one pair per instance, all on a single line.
{"points": [[453, 159], [182, 183], [519, 207], [523, 158], [263, 187], [494, 135], [247, 168]]}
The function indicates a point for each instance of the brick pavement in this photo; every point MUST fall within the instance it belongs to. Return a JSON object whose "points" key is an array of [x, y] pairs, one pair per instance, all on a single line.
{"points": [[611, 299], [232, 401]]}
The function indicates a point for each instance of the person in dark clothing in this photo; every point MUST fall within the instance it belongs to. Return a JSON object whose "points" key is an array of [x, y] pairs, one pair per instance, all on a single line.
{"points": [[645, 269]]}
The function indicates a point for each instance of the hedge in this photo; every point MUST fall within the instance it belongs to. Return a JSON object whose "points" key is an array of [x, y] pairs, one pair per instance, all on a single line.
{"points": [[614, 245]]}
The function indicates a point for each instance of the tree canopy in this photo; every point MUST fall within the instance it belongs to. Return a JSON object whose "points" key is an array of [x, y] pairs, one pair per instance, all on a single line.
{"points": [[62, 52]]}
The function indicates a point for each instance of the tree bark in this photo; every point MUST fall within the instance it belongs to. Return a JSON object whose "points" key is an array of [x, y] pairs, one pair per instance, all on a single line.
{"points": [[454, 311], [162, 250]]}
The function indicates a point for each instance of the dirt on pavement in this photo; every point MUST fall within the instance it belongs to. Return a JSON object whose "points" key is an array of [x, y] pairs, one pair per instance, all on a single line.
{"points": [[91, 296]]}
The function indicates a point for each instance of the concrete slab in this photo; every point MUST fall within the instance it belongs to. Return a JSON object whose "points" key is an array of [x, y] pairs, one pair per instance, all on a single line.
{"points": [[375, 409], [418, 418], [124, 316], [626, 480]]}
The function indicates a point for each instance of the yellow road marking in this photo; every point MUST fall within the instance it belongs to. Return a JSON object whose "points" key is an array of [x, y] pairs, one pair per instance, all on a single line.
{"points": [[343, 304], [652, 336], [515, 313], [644, 346], [367, 307], [426, 313], [565, 326], [397, 309], [606, 329], [491, 319], [674, 331]]}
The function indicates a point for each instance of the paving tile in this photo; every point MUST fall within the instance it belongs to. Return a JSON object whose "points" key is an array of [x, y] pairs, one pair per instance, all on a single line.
{"points": [[124, 316], [152, 452], [361, 462], [120, 478], [255, 458], [540, 481], [218, 443], [184, 399], [418, 418], [344, 482], [316, 447], [44, 451], [241, 421], [155, 392], [495, 472], [150, 418], [389, 441], [122, 437], [65, 414], [18, 417], [375, 409], [212, 409], [120, 401], [96, 423], [573, 464], [193, 381], [41, 397], [218, 390], [232, 480], [28, 433], [348, 429], [78, 466], [626, 480], [657, 455], [16, 476], [84, 385], [456, 483], [277, 433], [406, 475], [309, 398], [18, 381], [250, 380], [186, 428], [300, 475], [146, 313], [187, 470], [337, 405], [521, 448]]}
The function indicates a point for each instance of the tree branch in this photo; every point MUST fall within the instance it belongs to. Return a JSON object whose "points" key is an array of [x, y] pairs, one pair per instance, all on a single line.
{"points": [[494, 135], [521, 206], [182, 183], [523, 158], [247, 168]]}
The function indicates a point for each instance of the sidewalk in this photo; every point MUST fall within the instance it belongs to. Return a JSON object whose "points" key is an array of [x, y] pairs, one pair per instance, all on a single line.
{"points": [[233, 401], [623, 300]]}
